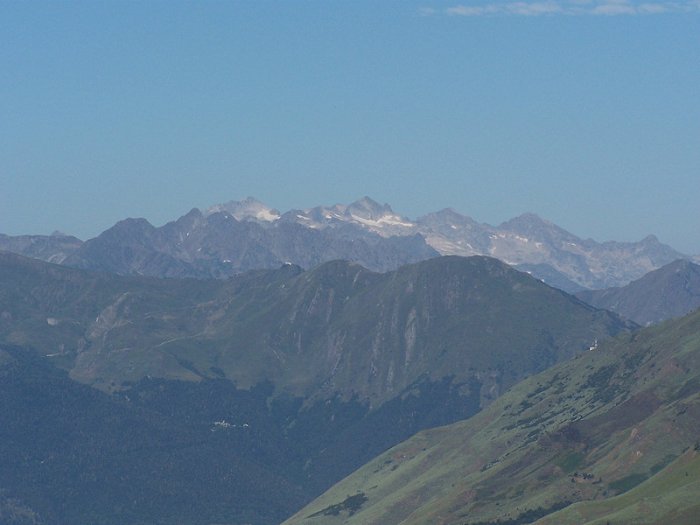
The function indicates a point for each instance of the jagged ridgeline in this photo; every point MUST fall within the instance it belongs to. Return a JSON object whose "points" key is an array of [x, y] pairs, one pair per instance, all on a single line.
{"points": [[227, 239], [611, 436], [278, 378]]}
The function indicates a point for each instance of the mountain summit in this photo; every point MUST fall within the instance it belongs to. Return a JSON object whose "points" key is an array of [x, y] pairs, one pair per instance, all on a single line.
{"points": [[367, 208]]}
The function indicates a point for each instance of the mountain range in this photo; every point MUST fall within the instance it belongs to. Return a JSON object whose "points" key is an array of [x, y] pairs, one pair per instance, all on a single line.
{"points": [[229, 238], [284, 379], [265, 368]]}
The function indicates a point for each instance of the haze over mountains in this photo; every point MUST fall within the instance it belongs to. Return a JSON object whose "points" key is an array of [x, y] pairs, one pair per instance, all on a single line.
{"points": [[240, 235]]}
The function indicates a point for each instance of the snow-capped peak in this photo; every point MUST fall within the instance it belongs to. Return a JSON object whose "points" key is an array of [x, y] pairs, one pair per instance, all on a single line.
{"points": [[246, 210]]}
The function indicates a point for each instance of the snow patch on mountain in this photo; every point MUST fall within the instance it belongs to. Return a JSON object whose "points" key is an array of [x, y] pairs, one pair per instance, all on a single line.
{"points": [[245, 210]]}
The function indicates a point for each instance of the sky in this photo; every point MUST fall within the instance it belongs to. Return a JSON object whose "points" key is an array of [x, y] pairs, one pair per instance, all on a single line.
{"points": [[586, 112]]}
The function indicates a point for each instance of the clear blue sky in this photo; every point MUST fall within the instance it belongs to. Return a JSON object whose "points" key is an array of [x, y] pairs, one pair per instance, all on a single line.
{"points": [[586, 112]]}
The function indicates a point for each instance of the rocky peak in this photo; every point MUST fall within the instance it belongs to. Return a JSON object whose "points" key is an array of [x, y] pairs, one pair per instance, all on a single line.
{"points": [[128, 227], [526, 221], [367, 208], [535, 227], [446, 217]]}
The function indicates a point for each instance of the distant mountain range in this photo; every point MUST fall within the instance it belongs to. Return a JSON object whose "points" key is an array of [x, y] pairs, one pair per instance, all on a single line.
{"points": [[608, 437], [229, 238], [671, 291], [285, 379]]}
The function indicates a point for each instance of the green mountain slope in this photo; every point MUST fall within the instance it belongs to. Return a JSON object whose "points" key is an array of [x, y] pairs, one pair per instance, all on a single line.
{"points": [[586, 430], [337, 329], [670, 496]]}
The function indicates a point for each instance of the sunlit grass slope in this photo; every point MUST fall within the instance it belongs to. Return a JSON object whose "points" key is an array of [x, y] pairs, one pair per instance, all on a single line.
{"points": [[669, 497]]}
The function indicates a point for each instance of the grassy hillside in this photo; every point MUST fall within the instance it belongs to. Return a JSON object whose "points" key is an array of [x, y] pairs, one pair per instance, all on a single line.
{"points": [[336, 329], [623, 417], [670, 496]]}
